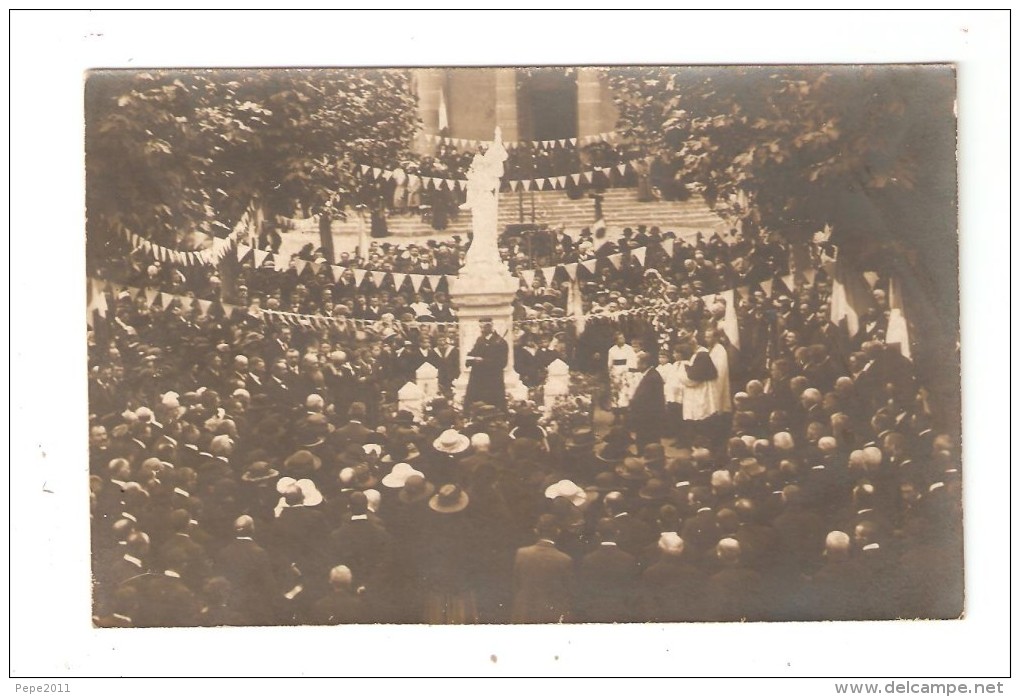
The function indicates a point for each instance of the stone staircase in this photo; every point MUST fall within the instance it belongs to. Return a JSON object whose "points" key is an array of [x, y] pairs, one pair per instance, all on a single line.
{"points": [[619, 206]]}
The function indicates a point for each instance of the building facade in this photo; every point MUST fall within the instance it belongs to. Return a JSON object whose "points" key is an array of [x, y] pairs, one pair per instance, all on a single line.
{"points": [[528, 104]]}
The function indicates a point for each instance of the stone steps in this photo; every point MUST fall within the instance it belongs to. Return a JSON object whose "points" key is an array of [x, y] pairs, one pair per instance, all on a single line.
{"points": [[619, 206]]}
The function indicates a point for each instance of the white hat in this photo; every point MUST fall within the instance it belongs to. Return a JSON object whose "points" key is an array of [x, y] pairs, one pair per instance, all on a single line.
{"points": [[398, 475], [451, 442], [567, 489]]}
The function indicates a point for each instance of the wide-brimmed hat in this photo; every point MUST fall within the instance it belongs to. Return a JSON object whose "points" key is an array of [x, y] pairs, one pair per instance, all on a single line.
{"points": [[633, 469], [451, 442], [450, 499], [259, 472], [302, 461], [312, 496], [398, 475], [416, 488], [568, 490]]}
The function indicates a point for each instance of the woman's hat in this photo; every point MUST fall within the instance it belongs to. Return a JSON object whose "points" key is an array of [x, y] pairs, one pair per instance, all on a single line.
{"points": [[451, 442], [450, 499], [398, 475], [568, 490]]}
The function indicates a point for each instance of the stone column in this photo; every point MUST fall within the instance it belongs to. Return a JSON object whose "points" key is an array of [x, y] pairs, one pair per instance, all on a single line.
{"points": [[506, 103], [589, 102], [429, 82]]}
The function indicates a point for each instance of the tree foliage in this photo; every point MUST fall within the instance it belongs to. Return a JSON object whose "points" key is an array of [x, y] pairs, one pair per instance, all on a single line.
{"points": [[868, 150], [169, 152]]}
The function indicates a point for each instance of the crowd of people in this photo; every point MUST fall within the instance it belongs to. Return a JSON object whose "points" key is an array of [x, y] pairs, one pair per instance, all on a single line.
{"points": [[246, 471]]}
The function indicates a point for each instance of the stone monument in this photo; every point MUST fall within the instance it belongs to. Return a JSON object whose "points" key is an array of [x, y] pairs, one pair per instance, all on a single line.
{"points": [[485, 288]]}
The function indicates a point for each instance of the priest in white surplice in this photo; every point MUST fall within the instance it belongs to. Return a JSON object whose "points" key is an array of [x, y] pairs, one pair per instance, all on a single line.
{"points": [[720, 359], [698, 376], [623, 362]]}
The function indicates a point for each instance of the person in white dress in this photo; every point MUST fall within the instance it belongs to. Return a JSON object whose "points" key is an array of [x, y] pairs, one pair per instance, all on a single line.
{"points": [[720, 358]]}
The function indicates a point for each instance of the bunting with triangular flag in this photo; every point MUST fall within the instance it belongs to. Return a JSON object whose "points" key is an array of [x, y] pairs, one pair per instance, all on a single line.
{"points": [[416, 281], [571, 270], [589, 265], [615, 260], [398, 280], [639, 254]]}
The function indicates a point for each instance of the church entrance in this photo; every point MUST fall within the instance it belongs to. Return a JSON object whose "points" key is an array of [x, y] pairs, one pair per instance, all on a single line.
{"points": [[547, 104]]}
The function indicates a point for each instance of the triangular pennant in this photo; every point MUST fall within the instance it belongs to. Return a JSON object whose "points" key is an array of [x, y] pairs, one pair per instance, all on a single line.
{"points": [[562, 142], [365, 169], [150, 296], [809, 275], [573, 141], [314, 267], [562, 181], [527, 184], [590, 265], [871, 277], [615, 260], [588, 176], [515, 184], [165, 299], [416, 280], [398, 280], [766, 286], [376, 171], [336, 272], [622, 168], [639, 254], [243, 251], [260, 257], [300, 265], [571, 270], [576, 177], [387, 174], [667, 247], [787, 281], [529, 277], [203, 306], [359, 276]]}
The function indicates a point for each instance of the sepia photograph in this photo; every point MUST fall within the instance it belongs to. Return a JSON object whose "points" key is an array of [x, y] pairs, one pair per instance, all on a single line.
{"points": [[523, 345], [513, 343]]}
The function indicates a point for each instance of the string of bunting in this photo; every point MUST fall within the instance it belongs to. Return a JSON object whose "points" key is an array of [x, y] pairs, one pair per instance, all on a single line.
{"points": [[260, 257], [98, 289], [546, 144], [608, 174], [204, 257]]}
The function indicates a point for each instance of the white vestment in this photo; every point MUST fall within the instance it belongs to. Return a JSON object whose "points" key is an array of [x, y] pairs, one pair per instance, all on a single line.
{"points": [[721, 384]]}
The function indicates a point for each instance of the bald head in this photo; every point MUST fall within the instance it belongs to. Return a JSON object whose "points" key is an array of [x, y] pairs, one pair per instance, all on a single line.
{"points": [[340, 577], [245, 525], [837, 545]]}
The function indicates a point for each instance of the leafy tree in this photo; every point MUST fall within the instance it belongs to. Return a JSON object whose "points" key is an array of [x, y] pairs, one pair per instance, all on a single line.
{"points": [[868, 150], [169, 152]]}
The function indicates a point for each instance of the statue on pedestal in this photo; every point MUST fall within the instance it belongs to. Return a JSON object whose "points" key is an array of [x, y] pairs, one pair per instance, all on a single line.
{"points": [[483, 180]]}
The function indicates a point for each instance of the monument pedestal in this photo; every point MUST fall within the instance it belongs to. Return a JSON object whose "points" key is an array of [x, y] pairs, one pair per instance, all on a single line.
{"points": [[485, 291]]}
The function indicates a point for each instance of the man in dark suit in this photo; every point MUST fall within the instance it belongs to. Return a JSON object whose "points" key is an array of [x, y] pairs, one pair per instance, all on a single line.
{"points": [[446, 358], [648, 405], [341, 604], [543, 579], [354, 431], [440, 309], [247, 566], [363, 546], [672, 588], [607, 580], [487, 360]]}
